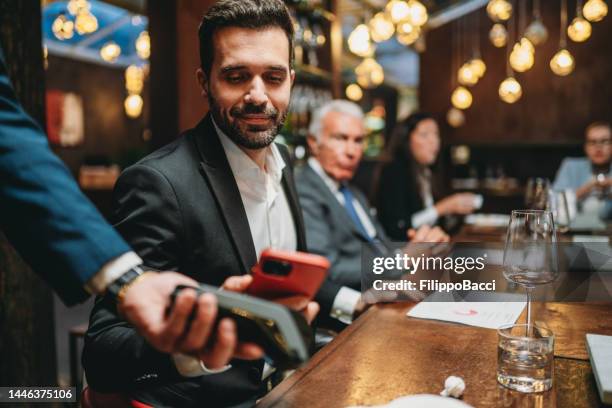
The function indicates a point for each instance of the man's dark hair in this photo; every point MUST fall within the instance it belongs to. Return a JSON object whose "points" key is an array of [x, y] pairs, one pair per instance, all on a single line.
{"points": [[254, 14]]}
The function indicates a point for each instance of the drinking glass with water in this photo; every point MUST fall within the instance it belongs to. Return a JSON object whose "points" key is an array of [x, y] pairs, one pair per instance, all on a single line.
{"points": [[525, 363]]}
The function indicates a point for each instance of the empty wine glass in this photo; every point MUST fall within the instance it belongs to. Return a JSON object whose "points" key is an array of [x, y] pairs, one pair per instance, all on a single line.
{"points": [[536, 194], [558, 206], [530, 253]]}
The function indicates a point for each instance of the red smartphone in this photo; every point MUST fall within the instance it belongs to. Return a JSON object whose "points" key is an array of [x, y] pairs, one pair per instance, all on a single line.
{"points": [[282, 274]]}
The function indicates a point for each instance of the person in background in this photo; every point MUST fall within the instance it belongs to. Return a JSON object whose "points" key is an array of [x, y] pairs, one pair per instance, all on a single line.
{"points": [[587, 180], [66, 241], [407, 191], [337, 216]]}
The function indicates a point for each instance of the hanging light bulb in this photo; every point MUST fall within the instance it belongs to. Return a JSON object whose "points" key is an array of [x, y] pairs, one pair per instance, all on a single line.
{"points": [[398, 10], [133, 105], [562, 63], [521, 58], [63, 29], [143, 45], [85, 23], [510, 90], [369, 73], [455, 117], [354, 92], [595, 10], [526, 44], [359, 41], [522, 55], [499, 10], [134, 79], [381, 28], [78, 6], [536, 32], [478, 67], [110, 51], [579, 30], [461, 98], [407, 34], [466, 76], [417, 14], [498, 35]]}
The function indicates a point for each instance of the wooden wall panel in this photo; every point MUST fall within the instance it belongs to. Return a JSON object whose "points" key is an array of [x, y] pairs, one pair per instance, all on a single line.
{"points": [[553, 109]]}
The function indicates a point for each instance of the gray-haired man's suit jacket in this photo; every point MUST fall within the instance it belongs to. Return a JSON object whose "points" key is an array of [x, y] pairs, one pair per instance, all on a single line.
{"points": [[332, 233]]}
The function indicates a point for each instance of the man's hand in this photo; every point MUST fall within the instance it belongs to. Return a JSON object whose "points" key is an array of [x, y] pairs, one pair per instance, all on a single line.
{"points": [[299, 303], [586, 188], [145, 305]]}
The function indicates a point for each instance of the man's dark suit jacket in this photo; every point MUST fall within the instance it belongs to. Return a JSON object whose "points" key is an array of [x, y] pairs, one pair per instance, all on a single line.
{"points": [[332, 233], [180, 209], [43, 212]]}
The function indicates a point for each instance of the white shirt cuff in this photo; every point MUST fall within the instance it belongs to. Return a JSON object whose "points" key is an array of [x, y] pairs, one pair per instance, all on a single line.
{"points": [[427, 216], [344, 304], [111, 271], [189, 366]]}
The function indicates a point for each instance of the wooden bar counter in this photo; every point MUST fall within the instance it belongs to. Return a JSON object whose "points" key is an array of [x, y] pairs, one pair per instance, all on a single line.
{"points": [[385, 354]]}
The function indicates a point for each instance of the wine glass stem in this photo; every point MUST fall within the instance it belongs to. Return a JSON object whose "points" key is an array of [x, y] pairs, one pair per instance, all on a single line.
{"points": [[529, 322]]}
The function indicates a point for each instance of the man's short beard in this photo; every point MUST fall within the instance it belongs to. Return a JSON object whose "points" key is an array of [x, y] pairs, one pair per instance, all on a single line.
{"points": [[258, 139]]}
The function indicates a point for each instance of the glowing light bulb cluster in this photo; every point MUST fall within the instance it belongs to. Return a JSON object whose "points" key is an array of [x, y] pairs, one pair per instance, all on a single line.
{"points": [[62, 27], [407, 33], [499, 10], [536, 32], [398, 10], [110, 51], [134, 79], [522, 55], [470, 73], [461, 98], [510, 90], [134, 84], [455, 117], [369, 73], [133, 105], [579, 30], [85, 22], [381, 27], [143, 45], [498, 35], [562, 63], [403, 18], [412, 11], [354, 92], [595, 10], [359, 41]]}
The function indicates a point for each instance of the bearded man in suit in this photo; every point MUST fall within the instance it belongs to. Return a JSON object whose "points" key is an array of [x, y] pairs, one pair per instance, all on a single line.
{"points": [[207, 204]]}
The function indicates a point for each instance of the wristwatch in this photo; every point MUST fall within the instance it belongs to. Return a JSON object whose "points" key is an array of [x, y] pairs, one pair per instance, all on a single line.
{"points": [[123, 281]]}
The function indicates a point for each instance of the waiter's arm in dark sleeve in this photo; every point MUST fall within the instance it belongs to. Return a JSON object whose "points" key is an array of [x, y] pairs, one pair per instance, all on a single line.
{"points": [[43, 213]]}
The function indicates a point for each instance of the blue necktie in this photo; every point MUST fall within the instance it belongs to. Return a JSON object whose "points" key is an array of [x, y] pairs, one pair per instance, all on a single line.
{"points": [[350, 209]]}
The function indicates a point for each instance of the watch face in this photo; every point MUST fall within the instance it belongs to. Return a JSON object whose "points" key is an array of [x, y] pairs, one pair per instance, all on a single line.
{"points": [[115, 287]]}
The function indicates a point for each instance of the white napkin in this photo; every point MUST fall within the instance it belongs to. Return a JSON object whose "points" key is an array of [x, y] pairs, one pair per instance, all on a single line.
{"points": [[420, 401], [490, 315]]}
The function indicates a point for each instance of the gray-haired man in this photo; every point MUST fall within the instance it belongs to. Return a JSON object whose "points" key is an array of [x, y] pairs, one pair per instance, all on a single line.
{"points": [[337, 216]]}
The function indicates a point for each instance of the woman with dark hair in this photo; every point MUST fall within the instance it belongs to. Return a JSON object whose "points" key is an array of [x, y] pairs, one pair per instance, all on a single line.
{"points": [[407, 190]]}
